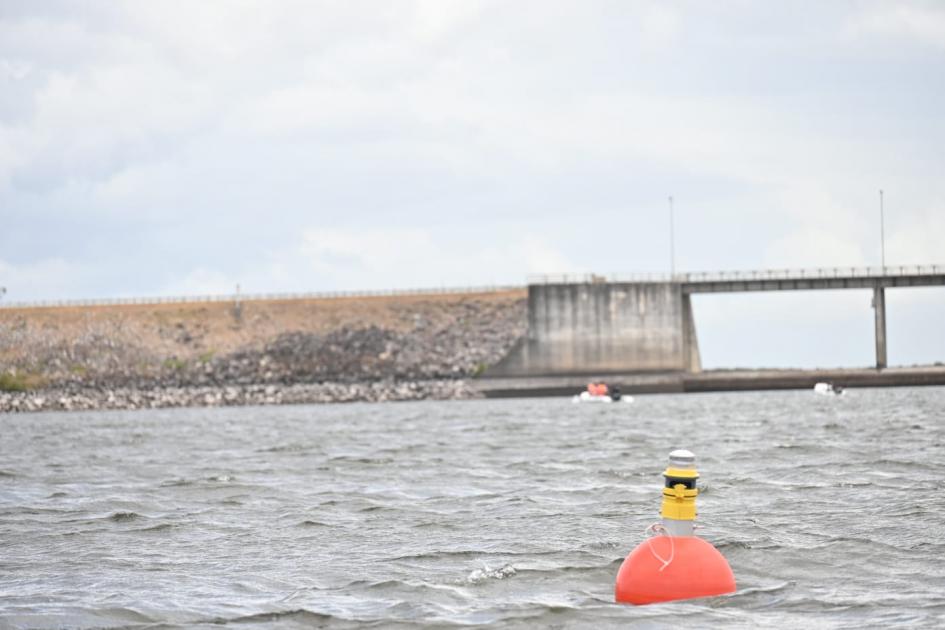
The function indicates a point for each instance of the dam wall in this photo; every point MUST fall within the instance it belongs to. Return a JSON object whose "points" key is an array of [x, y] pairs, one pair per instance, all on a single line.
{"points": [[345, 339], [598, 328]]}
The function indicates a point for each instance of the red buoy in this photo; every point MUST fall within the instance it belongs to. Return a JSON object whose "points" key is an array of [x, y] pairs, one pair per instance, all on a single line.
{"points": [[667, 568], [677, 564]]}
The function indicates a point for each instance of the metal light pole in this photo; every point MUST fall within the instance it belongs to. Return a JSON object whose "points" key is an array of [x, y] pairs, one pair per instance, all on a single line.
{"points": [[882, 231], [672, 242]]}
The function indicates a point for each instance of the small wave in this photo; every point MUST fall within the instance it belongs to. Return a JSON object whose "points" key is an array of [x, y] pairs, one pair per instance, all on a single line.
{"points": [[174, 483], [602, 545], [57, 495], [367, 584], [222, 478], [879, 463], [773, 588], [857, 541], [21, 509], [379, 585], [573, 570], [484, 574], [905, 511], [372, 508], [99, 617], [470, 553], [435, 525], [735, 544], [762, 592], [6, 474], [162, 527], [299, 614], [362, 460], [308, 523], [123, 517], [421, 588], [284, 448]]}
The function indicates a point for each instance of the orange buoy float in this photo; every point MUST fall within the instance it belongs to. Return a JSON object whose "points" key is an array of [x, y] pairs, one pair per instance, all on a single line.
{"points": [[675, 564]]}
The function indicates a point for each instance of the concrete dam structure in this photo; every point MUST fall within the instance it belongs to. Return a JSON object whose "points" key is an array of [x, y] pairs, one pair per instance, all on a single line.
{"points": [[605, 328], [593, 326]]}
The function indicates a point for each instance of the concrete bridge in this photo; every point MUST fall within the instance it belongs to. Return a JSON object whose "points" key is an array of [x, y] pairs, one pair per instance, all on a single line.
{"points": [[597, 325]]}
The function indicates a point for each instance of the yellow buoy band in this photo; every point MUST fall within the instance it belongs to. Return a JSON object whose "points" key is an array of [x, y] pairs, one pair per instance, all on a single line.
{"points": [[679, 503]]}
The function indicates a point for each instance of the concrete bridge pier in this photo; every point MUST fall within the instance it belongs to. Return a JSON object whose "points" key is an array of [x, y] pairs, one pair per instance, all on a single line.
{"points": [[692, 361], [879, 308]]}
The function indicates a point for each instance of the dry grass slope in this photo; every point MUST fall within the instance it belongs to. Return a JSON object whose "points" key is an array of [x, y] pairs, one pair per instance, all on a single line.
{"points": [[284, 341]]}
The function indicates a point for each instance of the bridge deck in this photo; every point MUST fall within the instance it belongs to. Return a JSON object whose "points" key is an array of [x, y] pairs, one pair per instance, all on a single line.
{"points": [[813, 279], [773, 279], [805, 284]]}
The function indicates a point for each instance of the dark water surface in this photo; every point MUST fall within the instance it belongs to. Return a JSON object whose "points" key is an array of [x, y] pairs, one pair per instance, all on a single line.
{"points": [[512, 513]]}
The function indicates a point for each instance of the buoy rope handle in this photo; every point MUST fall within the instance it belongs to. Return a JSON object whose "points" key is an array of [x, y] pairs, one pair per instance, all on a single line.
{"points": [[658, 529]]}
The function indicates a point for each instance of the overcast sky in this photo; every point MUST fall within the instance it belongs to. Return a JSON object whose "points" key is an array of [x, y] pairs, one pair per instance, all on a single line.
{"points": [[158, 148]]}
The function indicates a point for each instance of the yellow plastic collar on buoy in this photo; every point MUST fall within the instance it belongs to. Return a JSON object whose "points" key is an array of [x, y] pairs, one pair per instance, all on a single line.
{"points": [[679, 495], [679, 503]]}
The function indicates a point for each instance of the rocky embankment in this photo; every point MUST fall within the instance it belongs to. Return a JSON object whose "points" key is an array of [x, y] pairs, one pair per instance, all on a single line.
{"points": [[353, 349], [215, 396]]}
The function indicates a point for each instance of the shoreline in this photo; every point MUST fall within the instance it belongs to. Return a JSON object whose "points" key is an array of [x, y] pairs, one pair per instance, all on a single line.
{"points": [[129, 398], [719, 380], [163, 397]]}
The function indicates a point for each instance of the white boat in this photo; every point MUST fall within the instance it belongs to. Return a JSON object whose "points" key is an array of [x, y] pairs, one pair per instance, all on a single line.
{"points": [[828, 389], [587, 397]]}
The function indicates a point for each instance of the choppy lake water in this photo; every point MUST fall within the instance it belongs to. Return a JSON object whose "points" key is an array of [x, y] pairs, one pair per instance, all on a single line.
{"points": [[515, 513]]}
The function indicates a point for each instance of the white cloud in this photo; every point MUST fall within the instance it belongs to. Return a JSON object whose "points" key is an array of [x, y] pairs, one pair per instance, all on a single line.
{"points": [[541, 257], [376, 258], [386, 257], [203, 281], [369, 250], [48, 278], [661, 26], [909, 23], [818, 247], [13, 70], [919, 241], [435, 20]]}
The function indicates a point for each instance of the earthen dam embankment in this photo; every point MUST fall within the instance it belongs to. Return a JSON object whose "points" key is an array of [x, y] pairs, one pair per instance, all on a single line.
{"points": [[254, 351]]}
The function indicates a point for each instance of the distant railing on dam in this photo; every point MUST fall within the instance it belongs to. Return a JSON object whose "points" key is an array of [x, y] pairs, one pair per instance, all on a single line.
{"points": [[251, 297]]}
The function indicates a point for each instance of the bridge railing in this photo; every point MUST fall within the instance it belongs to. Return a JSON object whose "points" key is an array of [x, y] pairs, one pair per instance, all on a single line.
{"points": [[814, 273], [764, 274], [593, 278], [250, 297]]}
